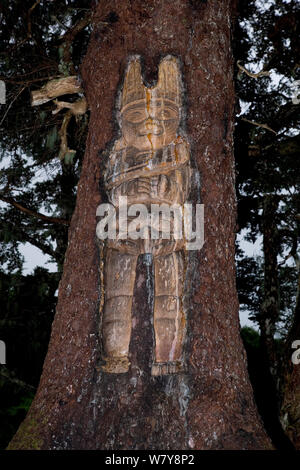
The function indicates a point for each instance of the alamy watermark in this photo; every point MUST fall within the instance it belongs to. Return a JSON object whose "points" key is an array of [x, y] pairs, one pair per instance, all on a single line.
{"points": [[296, 94], [296, 354], [2, 92], [2, 352], [162, 221]]}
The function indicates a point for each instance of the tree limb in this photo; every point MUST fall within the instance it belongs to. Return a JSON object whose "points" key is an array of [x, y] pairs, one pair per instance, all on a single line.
{"points": [[29, 32], [69, 37], [77, 108], [29, 17], [11, 103], [55, 88], [64, 149], [262, 73], [38, 215], [7, 375], [34, 241], [264, 126]]}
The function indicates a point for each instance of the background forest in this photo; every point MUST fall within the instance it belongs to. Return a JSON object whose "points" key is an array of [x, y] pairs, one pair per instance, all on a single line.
{"points": [[41, 150]]}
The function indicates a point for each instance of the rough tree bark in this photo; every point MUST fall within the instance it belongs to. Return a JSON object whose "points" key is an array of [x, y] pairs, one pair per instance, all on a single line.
{"points": [[211, 406]]}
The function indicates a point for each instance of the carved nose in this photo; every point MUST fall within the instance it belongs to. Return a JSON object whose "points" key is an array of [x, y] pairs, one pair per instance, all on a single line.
{"points": [[151, 127]]}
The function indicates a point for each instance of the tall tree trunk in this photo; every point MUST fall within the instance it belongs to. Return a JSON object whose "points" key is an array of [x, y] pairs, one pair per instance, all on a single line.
{"points": [[211, 406], [290, 409], [270, 310], [270, 313]]}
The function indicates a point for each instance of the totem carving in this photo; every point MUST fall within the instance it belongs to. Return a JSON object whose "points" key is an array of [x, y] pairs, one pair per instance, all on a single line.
{"points": [[149, 164]]}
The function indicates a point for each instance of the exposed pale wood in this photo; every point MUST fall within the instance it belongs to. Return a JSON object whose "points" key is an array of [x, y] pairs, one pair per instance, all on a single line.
{"points": [[258, 124], [262, 73], [64, 149], [153, 136], [59, 87], [77, 108]]}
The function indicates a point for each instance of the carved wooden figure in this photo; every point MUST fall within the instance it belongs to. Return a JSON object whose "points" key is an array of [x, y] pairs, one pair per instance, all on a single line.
{"points": [[149, 164]]}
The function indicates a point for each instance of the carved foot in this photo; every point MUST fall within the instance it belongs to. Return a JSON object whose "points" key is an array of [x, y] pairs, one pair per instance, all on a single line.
{"points": [[116, 365], [166, 368]]}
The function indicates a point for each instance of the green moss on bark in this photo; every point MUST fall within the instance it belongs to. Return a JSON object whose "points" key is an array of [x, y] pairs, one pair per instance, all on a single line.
{"points": [[27, 436]]}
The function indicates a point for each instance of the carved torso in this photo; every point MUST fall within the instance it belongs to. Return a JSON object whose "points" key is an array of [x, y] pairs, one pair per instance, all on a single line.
{"points": [[157, 177]]}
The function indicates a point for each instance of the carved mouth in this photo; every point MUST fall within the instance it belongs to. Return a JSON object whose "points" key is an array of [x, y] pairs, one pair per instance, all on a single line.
{"points": [[151, 132]]}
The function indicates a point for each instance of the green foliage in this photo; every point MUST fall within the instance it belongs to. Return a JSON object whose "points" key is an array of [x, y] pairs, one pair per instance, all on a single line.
{"points": [[22, 406], [251, 338], [27, 305], [32, 53], [16, 397], [52, 138]]}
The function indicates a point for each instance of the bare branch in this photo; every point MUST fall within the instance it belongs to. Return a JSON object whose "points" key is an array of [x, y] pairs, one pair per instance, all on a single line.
{"points": [[33, 240], [7, 375], [69, 37], [11, 103], [29, 17], [76, 108], [29, 33], [54, 88], [64, 149], [262, 73], [264, 126], [38, 215]]}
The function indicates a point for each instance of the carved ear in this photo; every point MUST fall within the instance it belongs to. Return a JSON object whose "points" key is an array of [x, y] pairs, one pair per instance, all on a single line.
{"points": [[168, 84], [133, 87], [119, 144]]}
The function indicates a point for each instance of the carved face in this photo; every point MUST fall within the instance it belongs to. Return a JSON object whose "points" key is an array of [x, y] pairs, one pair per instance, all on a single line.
{"points": [[150, 124]]}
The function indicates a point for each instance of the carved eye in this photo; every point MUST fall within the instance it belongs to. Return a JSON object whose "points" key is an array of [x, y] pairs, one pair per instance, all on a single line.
{"points": [[135, 116], [166, 114]]}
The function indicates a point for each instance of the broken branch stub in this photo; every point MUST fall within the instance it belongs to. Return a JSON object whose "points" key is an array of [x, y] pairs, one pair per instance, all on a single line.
{"points": [[54, 88], [77, 108]]}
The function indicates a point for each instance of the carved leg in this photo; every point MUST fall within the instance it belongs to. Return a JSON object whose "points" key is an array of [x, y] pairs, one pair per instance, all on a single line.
{"points": [[120, 271], [169, 319]]}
